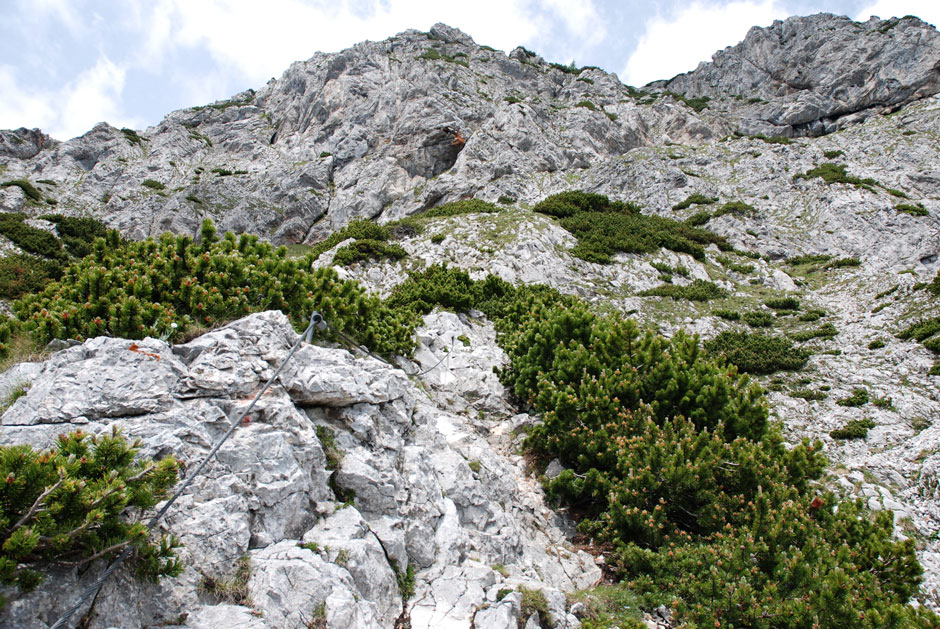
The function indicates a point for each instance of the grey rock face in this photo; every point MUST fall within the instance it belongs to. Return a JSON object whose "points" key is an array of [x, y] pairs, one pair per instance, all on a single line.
{"points": [[386, 129], [813, 75], [381, 129], [426, 491], [23, 143]]}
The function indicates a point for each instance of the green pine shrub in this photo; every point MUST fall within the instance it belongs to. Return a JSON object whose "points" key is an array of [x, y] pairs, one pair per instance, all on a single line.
{"points": [[697, 103], [738, 208], [730, 315], [359, 229], [368, 249], [153, 184], [604, 227], [836, 173], [666, 269], [757, 353], [854, 429], [30, 239], [933, 344], [81, 500], [21, 274], [810, 258], [132, 136], [826, 331], [737, 267], [913, 210], [934, 285], [671, 463], [813, 314], [458, 208], [32, 194], [138, 289], [783, 303], [699, 218], [77, 233], [572, 202], [694, 199], [859, 397], [920, 331], [876, 344], [758, 319], [833, 154], [843, 262], [698, 290]]}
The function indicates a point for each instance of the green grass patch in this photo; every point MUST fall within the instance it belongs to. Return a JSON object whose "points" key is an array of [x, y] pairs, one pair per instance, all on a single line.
{"points": [[153, 184]]}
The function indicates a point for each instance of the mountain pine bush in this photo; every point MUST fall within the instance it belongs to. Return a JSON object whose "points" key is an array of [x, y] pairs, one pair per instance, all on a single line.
{"points": [[139, 289], [80, 501], [604, 227], [670, 459]]}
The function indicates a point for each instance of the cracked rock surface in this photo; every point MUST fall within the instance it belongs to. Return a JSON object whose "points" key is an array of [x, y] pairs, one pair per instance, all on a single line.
{"points": [[418, 487]]}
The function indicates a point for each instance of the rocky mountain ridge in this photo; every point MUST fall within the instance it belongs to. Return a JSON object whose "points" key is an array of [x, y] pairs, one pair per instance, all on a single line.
{"points": [[388, 129], [384, 129]]}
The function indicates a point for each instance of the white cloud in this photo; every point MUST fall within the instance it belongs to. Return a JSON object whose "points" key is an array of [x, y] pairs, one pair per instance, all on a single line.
{"points": [[20, 107], [259, 40], [94, 96], [927, 10], [670, 46], [237, 44]]}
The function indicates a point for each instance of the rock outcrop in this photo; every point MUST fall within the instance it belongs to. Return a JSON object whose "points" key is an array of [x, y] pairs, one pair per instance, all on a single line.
{"points": [[817, 74], [385, 129], [416, 488]]}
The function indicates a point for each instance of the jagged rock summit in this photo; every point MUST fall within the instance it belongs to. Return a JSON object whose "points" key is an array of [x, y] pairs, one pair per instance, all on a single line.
{"points": [[389, 129], [816, 74], [386, 129]]}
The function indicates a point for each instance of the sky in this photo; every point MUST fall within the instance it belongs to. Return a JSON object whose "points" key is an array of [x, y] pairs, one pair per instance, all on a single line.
{"points": [[66, 65]]}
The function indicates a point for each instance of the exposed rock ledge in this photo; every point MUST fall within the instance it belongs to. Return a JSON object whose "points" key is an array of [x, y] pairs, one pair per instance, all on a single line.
{"points": [[434, 490]]}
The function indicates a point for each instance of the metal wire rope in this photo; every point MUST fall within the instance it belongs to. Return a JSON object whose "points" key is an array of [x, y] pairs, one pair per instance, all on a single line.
{"points": [[316, 322]]}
